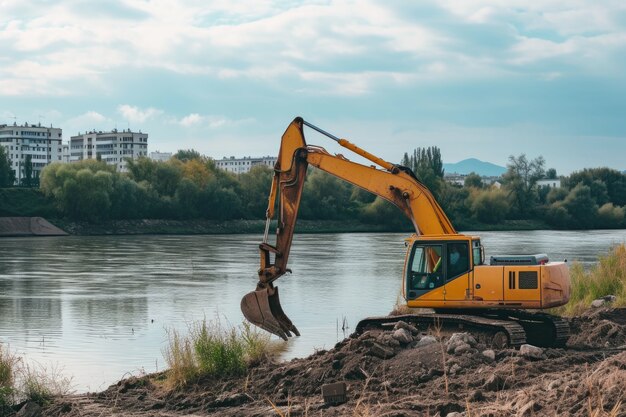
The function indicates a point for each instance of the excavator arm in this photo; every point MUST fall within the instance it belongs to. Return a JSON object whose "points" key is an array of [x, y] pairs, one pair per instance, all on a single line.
{"points": [[394, 183]]}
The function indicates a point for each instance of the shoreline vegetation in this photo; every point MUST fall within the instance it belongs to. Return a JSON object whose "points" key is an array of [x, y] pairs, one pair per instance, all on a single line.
{"points": [[210, 227], [190, 195]]}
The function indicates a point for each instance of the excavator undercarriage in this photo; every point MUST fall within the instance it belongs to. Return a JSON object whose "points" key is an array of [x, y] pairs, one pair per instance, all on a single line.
{"points": [[498, 328]]}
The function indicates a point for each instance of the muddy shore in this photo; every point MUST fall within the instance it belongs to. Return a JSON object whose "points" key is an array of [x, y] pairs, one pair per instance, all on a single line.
{"points": [[405, 372]]}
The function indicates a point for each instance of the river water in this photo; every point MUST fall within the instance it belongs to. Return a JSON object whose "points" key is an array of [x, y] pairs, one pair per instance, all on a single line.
{"points": [[98, 308]]}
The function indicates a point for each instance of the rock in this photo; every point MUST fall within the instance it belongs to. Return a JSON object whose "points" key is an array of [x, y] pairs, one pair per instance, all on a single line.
{"points": [[530, 352], [406, 326], [458, 339], [380, 351], [609, 298], [336, 364], [489, 354], [403, 336], [30, 409], [455, 414], [367, 335], [388, 339], [229, 400], [462, 348], [598, 303], [426, 340], [455, 368]]}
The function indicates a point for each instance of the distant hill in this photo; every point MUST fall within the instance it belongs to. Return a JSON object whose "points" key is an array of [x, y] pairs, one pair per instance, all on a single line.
{"points": [[486, 169]]}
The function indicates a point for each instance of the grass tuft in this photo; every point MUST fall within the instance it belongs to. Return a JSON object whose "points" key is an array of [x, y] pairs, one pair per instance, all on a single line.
{"points": [[607, 277], [20, 381], [211, 349], [8, 363]]}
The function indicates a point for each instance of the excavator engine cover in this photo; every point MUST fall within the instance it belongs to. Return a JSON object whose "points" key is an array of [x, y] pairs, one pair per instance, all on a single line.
{"points": [[262, 308]]}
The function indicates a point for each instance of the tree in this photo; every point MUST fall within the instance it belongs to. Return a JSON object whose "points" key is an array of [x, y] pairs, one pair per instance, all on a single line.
{"points": [[610, 216], [326, 197], [490, 206], [185, 155], [551, 174], [255, 186], [614, 181], [427, 165], [7, 175], [28, 171], [473, 180], [521, 181], [581, 207]]}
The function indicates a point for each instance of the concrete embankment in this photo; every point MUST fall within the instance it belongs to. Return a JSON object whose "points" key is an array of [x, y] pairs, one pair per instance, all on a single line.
{"points": [[28, 226]]}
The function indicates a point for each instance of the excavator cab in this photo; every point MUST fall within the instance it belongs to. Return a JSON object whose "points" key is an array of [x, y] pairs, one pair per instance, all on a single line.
{"points": [[434, 261]]}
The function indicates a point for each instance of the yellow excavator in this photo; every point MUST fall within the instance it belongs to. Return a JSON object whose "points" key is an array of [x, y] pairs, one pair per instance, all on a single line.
{"points": [[443, 270]]}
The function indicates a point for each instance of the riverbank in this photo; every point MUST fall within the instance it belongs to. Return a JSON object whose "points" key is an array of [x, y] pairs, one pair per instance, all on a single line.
{"points": [[191, 227], [402, 372]]}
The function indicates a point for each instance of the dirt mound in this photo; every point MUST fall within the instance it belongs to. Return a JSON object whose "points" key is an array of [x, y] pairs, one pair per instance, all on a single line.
{"points": [[403, 372], [598, 328], [28, 226]]}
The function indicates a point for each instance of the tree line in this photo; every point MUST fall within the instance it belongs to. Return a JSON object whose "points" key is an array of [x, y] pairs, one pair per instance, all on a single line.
{"points": [[190, 186]]}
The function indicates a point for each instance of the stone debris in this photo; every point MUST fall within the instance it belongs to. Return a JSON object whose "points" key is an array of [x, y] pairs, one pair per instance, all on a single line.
{"points": [[381, 351], [603, 301], [489, 354], [530, 352], [426, 340], [403, 336], [406, 326], [460, 343]]}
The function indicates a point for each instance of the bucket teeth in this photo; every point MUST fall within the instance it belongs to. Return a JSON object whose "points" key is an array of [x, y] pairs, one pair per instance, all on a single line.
{"points": [[262, 308]]}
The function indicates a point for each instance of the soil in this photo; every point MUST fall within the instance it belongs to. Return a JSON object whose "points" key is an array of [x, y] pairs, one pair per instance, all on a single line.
{"points": [[400, 373]]}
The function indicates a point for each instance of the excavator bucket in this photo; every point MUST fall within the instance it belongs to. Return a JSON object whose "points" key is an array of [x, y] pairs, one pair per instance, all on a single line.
{"points": [[262, 308]]}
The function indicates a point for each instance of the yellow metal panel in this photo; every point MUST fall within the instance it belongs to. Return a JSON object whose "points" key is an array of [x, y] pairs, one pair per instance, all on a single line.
{"points": [[488, 283], [457, 288], [515, 293]]}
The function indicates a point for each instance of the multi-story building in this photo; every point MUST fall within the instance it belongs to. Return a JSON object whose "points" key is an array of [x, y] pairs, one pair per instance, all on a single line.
{"points": [[43, 144], [243, 165], [160, 156], [112, 147]]}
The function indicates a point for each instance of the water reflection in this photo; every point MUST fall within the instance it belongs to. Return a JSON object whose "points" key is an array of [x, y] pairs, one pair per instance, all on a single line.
{"points": [[99, 306]]}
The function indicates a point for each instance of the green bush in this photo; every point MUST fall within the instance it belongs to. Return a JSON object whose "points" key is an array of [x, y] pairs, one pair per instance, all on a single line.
{"points": [[211, 349], [607, 277]]}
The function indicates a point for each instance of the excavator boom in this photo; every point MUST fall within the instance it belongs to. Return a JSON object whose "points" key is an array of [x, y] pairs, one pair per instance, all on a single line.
{"points": [[394, 183]]}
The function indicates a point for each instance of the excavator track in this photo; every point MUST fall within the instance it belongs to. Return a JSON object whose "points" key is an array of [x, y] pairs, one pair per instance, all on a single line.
{"points": [[519, 326], [497, 332], [542, 329]]}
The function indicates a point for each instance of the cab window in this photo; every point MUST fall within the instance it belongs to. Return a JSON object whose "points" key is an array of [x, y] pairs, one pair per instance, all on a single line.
{"points": [[426, 269], [458, 259]]}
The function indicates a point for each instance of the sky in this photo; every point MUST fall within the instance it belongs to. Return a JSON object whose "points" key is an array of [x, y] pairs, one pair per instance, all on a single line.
{"points": [[477, 78]]}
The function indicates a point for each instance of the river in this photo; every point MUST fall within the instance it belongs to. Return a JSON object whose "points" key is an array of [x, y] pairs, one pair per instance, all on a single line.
{"points": [[99, 308]]}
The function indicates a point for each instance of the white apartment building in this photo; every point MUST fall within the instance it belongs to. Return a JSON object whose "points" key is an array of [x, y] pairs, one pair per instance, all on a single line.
{"points": [[160, 156], [112, 147], [42, 143], [243, 165]]}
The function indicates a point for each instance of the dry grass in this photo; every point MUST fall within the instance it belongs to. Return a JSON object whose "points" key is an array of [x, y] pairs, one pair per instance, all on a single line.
{"points": [[21, 381], [211, 349], [8, 364], [40, 384], [607, 277]]}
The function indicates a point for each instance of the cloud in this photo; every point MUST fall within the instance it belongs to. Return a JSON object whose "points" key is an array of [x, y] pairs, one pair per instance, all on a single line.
{"points": [[137, 115], [210, 121]]}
